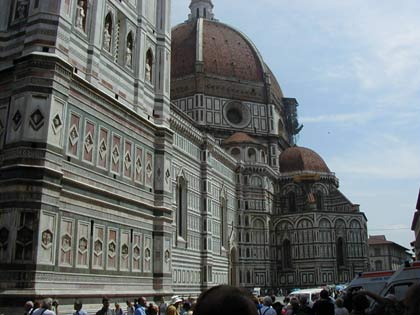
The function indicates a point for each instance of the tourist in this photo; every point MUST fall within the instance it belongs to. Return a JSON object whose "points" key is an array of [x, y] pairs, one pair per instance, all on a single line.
{"points": [[46, 308], [130, 308], [162, 306], [267, 308], [304, 308], [152, 309], [105, 310], [173, 308], [323, 306], [118, 310], [78, 308], [225, 300], [29, 307], [340, 309], [141, 306]]}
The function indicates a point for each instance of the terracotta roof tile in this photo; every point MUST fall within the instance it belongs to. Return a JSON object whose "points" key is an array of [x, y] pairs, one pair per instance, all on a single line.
{"points": [[296, 159], [183, 50], [239, 137]]}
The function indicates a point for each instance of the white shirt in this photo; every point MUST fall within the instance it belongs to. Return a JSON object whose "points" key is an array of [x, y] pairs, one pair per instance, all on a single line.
{"points": [[81, 312], [39, 311]]}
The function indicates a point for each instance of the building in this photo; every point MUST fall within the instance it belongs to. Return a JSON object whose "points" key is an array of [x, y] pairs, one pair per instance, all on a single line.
{"points": [[386, 255], [121, 175], [415, 226]]}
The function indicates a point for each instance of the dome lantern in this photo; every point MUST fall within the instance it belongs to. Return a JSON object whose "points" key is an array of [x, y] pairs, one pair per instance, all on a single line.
{"points": [[201, 9]]}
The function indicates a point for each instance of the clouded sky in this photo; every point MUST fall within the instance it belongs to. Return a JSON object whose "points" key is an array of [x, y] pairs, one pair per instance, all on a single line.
{"points": [[354, 67]]}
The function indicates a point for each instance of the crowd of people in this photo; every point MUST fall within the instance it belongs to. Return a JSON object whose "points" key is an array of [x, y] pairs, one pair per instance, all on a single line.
{"points": [[228, 300]]}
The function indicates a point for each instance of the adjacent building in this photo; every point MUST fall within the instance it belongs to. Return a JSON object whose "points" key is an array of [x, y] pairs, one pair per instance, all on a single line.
{"points": [[140, 159], [386, 255]]}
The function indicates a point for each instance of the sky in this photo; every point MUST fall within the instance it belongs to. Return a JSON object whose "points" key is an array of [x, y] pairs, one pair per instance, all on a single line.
{"points": [[354, 67]]}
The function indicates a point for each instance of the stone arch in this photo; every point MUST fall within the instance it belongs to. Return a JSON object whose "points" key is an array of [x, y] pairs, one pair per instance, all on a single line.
{"points": [[181, 206], [325, 223], [251, 155], [291, 187], [236, 153], [256, 181], [320, 187]]}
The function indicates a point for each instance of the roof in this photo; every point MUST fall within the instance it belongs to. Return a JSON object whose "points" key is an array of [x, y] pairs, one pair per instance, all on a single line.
{"points": [[415, 220], [239, 137], [418, 202], [381, 240], [296, 159], [220, 52]]}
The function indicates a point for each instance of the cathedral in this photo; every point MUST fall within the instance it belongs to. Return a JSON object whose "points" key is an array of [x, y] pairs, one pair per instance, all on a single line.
{"points": [[140, 159]]}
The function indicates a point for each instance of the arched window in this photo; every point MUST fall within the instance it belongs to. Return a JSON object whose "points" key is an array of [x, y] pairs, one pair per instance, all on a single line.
{"points": [[248, 239], [224, 219], [252, 155], [287, 254], [291, 200], [340, 252], [149, 66], [181, 213], [107, 36], [248, 276], [280, 128], [246, 221], [378, 265], [236, 153], [263, 157], [198, 12], [319, 201], [205, 12]]}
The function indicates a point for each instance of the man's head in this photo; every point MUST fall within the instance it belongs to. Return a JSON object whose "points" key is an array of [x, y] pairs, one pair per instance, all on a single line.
{"points": [[142, 301], [29, 305], [78, 305], [324, 294], [105, 302], [47, 303], [224, 299], [267, 301]]}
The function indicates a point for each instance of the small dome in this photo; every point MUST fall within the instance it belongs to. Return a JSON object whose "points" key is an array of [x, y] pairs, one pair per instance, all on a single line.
{"points": [[239, 137], [297, 159]]}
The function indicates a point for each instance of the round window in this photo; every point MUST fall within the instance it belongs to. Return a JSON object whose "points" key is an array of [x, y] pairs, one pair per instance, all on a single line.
{"points": [[234, 116], [237, 114]]}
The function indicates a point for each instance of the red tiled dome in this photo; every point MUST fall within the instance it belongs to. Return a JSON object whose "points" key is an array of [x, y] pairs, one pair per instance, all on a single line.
{"points": [[296, 159], [223, 52]]}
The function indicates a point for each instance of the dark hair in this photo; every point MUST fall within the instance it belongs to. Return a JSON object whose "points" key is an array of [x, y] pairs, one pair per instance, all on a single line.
{"points": [[225, 300], [324, 294], [360, 302]]}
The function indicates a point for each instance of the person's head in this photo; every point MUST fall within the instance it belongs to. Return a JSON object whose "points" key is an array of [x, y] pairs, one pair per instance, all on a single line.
{"points": [[176, 300], [339, 302], [117, 306], [29, 305], [412, 301], [78, 305], [303, 300], [273, 298], [105, 302], [324, 294], [142, 301], [267, 301], [225, 299], [360, 302], [152, 309], [129, 304], [47, 303]]}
